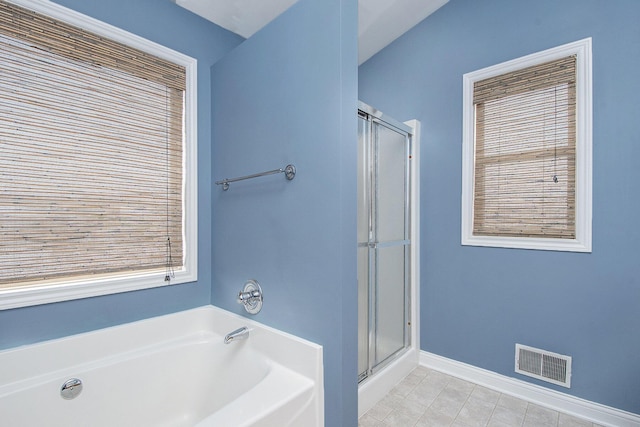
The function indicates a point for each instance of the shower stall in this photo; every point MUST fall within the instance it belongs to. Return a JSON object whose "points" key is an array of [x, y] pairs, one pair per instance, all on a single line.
{"points": [[386, 246]]}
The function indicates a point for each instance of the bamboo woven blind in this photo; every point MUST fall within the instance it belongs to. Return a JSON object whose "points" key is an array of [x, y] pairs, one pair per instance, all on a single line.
{"points": [[91, 143], [525, 151]]}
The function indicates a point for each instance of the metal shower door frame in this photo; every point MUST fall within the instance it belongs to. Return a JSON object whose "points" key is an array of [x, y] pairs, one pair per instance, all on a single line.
{"points": [[374, 119]]}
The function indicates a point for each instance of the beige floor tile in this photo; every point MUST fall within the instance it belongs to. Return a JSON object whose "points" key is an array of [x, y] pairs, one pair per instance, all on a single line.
{"points": [[456, 393], [415, 376], [401, 418], [368, 421], [432, 418], [537, 416], [509, 416], [437, 378], [425, 393], [428, 398], [448, 403], [464, 387], [403, 389], [392, 400], [485, 394], [412, 407], [565, 420], [379, 411], [513, 403], [475, 412], [496, 423]]}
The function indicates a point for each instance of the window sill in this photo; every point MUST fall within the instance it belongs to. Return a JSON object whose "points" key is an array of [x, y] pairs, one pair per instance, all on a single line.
{"points": [[566, 245], [84, 288]]}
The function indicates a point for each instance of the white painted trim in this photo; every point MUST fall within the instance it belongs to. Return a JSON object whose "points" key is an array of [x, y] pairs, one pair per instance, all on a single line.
{"points": [[415, 232], [582, 242], [374, 388], [581, 408], [84, 288]]}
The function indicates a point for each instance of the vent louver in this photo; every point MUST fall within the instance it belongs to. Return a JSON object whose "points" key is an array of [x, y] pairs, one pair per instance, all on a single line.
{"points": [[543, 365]]}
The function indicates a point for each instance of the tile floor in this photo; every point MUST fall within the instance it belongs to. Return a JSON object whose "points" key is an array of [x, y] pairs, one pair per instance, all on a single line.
{"points": [[430, 398]]}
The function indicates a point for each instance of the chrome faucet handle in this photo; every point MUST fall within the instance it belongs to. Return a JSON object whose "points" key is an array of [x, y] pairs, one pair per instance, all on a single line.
{"points": [[251, 297], [245, 296]]}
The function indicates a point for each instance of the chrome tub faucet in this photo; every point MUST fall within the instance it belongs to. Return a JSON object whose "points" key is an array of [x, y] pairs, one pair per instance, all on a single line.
{"points": [[238, 334]]}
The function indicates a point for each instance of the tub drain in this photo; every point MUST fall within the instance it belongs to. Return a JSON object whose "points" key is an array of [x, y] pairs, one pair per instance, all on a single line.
{"points": [[71, 389]]}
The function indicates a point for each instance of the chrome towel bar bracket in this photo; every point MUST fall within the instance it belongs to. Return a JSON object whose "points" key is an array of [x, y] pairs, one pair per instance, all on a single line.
{"points": [[289, 173]]}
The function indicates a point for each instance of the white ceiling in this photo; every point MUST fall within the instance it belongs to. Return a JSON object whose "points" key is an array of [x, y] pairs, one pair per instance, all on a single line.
{"points": [[379, 21]]}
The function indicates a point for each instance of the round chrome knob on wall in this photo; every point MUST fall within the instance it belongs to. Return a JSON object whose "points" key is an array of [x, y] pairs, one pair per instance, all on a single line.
{"points": [[251, 297]]}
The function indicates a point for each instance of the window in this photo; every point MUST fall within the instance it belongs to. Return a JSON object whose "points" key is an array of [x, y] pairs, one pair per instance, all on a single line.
{"points": [[97, 142], [527, 152]]}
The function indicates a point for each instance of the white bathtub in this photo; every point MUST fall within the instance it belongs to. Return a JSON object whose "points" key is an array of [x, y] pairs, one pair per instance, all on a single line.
{"points": [[168, 371]]}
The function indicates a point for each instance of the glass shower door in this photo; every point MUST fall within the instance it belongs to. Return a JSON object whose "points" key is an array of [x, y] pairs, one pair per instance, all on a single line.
{"points": [[383, 243], [363, 246]]}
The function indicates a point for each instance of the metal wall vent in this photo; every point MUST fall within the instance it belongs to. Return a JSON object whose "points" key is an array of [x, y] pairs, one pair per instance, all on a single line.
{"points": [[543, 365]]}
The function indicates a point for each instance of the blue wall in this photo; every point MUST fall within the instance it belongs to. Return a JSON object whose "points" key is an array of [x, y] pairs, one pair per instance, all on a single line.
{"points": [[289, 95], [476, 303], [174, 27]]}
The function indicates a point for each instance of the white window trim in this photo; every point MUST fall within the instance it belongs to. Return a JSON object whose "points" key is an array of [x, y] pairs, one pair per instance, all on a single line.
{"points": [[76, 289], [582, 242]]}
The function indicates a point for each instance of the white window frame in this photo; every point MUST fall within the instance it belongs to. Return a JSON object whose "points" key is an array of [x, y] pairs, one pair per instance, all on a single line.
{"points": [[84, 288], [582, 242]]}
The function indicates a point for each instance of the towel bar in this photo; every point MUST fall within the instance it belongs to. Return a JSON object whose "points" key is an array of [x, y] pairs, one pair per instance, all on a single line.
{"points": [[289, 173]]}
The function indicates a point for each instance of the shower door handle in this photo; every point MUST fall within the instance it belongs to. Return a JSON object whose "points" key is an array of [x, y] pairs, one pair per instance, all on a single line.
{"points": [[378, 245]]}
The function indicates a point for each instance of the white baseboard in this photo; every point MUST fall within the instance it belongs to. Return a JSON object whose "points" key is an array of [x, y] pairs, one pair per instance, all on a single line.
{"points": [[594, 412]]}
